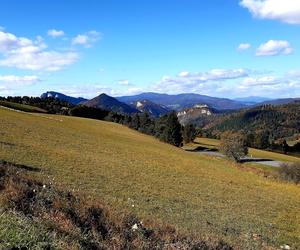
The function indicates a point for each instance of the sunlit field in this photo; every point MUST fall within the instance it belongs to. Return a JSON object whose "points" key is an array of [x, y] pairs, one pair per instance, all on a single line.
{"points": [[132, 171]]}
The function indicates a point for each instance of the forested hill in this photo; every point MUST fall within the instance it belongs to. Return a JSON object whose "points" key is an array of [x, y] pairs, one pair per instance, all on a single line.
{"points": [[275, 121]]}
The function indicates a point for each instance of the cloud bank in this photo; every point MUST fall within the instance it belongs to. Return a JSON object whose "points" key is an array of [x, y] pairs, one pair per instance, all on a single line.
{"points": [[27, 54]]}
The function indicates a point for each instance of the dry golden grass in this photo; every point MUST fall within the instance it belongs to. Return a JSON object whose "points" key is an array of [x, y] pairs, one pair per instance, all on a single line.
{"points": [[196, 193]]}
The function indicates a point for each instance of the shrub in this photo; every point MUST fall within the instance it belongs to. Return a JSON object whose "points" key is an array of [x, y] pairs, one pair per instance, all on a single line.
{"points": [[290, 172], [233, 145]]}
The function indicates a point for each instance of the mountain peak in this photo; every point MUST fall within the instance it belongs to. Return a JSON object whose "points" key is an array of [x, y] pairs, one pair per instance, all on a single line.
{"points": [[110, 103], [66, 98]]}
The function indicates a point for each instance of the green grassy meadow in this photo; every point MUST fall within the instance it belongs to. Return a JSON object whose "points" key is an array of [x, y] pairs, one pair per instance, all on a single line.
{"points": [[136, 172]]}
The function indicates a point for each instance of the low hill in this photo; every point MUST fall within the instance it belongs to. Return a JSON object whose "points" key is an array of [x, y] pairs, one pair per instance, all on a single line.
{"points": [[280, 101], [109, 103], [182, 101], [22, 107], [60, 96], [277, 121], [153, 109], [126, 169]]}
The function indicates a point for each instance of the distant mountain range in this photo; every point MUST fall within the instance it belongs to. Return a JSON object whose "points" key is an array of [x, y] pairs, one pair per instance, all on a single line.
{"points": [[157, 104], [151, 108], [182, 101], [69, 99], [279, 101], [252, 100]]}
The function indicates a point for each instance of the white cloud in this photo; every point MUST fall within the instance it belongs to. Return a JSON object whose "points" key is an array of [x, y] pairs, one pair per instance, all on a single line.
{"points": [[10, 83], [23, 53], [260, 81], [287, 11], [55, 33], [86, 90], [274, 48], [205, 82], [130, 91], [124, 82], [287, 85], [244, 46], [184, 74], [231, 83], [9, 42], [87, 39], [294, 74], [18, 80], [80, 39], [40, 60], [92, 90]]}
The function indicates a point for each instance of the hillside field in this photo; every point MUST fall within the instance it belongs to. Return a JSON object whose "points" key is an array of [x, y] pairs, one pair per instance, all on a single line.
{"points": [[22, 107], [132, 171], [214, 143]]}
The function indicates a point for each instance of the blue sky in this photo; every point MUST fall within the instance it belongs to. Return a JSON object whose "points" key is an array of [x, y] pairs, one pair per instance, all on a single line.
{"points": [[225, 48]]}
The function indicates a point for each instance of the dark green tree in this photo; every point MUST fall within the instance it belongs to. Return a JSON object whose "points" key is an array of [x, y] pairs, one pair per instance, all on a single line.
{"points": [[146, 124], [262, 140], [189, 133], [250, 138], [285, 147], [170, 129], [135, 122]]}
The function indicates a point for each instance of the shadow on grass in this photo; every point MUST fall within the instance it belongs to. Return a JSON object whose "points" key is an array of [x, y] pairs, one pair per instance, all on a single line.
{"points": [[7, 143], [202, 149], [19, 166], [254, 160]]}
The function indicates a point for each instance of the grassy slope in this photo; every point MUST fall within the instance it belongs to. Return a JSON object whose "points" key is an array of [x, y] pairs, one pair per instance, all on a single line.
{"points": [[22, 107], [213, 143], [194, 192]]}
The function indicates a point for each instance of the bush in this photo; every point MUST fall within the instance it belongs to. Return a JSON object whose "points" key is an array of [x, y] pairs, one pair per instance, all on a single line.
{"points": [[290, 172], [233, 145]]}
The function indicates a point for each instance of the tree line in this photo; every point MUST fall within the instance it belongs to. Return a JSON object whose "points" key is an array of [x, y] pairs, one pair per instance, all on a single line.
{"points": [[50, 104]]}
